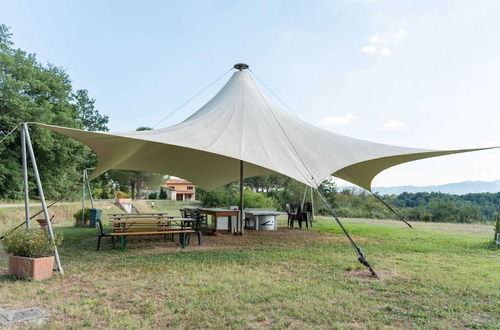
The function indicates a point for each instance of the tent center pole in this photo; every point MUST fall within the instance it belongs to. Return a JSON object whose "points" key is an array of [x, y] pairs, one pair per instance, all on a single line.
{"points": [[241, 199], [42, 196]]}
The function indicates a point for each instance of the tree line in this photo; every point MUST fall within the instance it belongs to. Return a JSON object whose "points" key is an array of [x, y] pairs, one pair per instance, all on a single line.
{"points": [[278, 190]]}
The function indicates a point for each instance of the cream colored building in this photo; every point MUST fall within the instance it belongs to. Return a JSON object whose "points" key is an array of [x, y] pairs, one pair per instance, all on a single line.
{"points": [[179, 189]]}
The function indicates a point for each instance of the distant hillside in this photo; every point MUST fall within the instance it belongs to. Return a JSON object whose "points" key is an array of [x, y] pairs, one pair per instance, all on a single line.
{"points": [[458, 188]]}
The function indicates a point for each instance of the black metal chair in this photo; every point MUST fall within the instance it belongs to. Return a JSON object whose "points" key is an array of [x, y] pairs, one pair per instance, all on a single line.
{"points": [[291, 211], [306, 215], [294, 215], [102, 234], [197, 228], [202, 218]]}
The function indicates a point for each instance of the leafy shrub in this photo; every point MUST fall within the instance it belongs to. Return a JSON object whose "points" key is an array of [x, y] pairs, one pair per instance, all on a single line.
{"points": [[121, 194], [163, 194], [31, 243], [224, 197], [78, 216], [254, 199], [153, 195]]}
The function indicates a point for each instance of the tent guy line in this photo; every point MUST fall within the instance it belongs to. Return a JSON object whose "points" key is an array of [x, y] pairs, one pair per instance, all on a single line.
{"points": [[192, 98]]}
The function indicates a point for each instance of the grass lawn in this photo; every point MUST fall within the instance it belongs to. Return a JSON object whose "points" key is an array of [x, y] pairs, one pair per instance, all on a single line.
{"points": [[431, 277]]}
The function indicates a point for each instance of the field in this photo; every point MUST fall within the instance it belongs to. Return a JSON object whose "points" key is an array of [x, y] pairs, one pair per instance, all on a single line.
{"points": [[433, 276]]}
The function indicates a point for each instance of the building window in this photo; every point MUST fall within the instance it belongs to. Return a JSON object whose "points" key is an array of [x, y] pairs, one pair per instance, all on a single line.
{"points": [[190, 187]]}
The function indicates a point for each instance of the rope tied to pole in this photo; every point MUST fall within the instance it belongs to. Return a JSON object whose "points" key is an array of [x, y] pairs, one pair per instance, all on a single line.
{"points": [[392, 210], [192, 98], [9, 133]]}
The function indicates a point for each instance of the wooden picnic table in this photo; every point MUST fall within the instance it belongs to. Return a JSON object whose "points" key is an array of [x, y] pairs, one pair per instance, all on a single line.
{"points": [[236, 226], [141, 215], [152, 226]]}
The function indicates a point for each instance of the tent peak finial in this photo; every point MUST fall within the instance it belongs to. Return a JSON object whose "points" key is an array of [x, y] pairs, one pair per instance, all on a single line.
{"points": [[241, 66]]}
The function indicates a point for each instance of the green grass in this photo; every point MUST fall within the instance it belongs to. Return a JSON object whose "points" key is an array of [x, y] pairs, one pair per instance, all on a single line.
{"points": [[430, 278]]}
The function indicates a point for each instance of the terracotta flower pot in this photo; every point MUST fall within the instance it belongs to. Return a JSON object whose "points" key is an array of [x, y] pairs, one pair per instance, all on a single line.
{"points": [[31, 268]]}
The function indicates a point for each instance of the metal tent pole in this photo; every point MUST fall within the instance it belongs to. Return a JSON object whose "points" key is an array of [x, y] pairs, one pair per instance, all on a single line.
{"points": [[25, 178], [312, 205], [42, 196], [241, 199], [88, 188], [83, 198], [304, 198], [362, 257]]}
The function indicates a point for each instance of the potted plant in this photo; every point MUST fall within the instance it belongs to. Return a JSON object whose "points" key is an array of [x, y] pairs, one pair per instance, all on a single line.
{"points": [[30, 253], [78, 218]]}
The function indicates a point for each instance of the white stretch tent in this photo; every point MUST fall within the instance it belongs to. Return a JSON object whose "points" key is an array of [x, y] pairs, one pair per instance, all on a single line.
{"points": [[240, 133], [240, 123]]}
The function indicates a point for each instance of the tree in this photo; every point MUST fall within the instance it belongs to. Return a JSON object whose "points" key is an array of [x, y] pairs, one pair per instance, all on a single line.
{"points": [[32, 92], [89, 118]]}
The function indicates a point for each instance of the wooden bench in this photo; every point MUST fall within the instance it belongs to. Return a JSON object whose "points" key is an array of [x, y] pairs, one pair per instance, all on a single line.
{"points": [[131, 227]]}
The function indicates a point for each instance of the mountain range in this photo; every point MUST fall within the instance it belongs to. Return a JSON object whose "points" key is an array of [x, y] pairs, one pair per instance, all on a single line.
{"points": [[458, 188]]}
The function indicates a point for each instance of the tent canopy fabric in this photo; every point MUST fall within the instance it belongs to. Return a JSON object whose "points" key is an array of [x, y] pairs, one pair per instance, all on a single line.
{"points": [[240, 123]]}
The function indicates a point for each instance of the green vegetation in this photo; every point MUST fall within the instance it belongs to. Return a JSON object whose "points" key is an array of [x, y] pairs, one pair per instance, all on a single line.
{"points": [[430, 278], [31, 243], [33, 92], [277, 190]]}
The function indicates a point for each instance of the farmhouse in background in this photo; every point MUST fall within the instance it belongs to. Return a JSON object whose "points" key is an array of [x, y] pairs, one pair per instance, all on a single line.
{"points": [[179, 189]]}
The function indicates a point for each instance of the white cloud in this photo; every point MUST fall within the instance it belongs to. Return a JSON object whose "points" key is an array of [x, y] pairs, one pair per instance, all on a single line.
{"points": [[377, 39], [332, 121], [385, 52], [393, 124], [369, 49], [401, 33]]}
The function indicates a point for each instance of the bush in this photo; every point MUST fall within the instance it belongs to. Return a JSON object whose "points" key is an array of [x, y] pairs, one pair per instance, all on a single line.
{"points": [[121, 194], [30, 243], [153, 195], [163, 194], [78, 216], [225, 197]]}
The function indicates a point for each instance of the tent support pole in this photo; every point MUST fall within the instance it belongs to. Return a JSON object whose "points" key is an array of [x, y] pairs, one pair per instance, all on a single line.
{"points": [[25, 178], [83, 198], [241, 199], [312, 205], [88, 188], [42, 196], [362, 256], [304, 197], [390, 208]]}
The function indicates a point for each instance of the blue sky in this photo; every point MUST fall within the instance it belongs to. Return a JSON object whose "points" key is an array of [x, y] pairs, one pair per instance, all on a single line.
{"points": [[412, 73]]}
